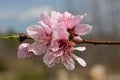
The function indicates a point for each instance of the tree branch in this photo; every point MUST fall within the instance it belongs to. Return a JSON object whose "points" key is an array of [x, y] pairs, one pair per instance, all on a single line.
{"points": [[96, 42]]}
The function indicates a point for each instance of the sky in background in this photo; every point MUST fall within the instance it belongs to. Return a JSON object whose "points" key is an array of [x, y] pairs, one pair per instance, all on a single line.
{"points": [[19, 14]]}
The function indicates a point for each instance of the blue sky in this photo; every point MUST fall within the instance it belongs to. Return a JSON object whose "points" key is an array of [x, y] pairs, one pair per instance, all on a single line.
{"points": [[19, 14]]}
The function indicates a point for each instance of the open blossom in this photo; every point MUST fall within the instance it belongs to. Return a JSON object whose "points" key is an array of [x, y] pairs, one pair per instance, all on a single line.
{"points": [[72, 23], [41, 38], [54, 37], [61, 51]]}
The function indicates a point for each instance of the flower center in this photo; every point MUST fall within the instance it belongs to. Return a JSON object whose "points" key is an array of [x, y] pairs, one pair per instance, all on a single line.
{"points": [[66, 45]]}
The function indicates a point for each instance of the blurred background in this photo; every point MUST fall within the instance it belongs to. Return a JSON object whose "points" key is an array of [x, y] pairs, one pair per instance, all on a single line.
{"points": [[103, 61]]}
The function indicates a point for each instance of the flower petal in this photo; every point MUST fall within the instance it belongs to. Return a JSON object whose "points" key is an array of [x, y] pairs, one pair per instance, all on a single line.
{"points": [[69, 63], [35, 32], [77, 38], [82, 16], [82, 29], [55, 16], [74, 21], [38, 48], [23, 51], [46, 27], [60, 33], [67, 15], [52, 58], [54, 45], [49, 58], [80, 48], [79, 60], [45, 18], [58, 53]]}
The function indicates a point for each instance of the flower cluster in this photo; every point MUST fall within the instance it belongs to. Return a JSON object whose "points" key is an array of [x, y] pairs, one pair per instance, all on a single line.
{"points": [[53, 37]]}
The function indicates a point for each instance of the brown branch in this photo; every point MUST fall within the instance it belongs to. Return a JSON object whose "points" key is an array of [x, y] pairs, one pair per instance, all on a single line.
{"points": [[95, 42]]}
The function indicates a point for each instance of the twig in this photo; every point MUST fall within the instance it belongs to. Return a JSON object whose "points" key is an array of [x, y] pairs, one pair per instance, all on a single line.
{"points": [[96, 42]]}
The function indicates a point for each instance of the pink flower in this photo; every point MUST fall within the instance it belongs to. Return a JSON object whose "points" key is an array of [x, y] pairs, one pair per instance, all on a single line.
{"points": [[41, 36], [54, 37], [61, 50], [72, 23]]}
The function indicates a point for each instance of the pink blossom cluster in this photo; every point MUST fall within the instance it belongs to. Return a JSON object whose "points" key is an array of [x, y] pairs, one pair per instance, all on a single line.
{"points": [[53, 37]]}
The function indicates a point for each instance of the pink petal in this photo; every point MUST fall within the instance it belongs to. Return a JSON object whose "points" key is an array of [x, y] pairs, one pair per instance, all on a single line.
{"points": [[46, 27], [54, 45], [58, 53], [82, 29], [60, 33], [67, 15], [55, 16], [69, 63], [74, 21], [46, 19], [35, 32], [56, 61], [77, 38], [37, 48], [82, 16], [49, 58], [23, 51], [80, 48], [79, 60]]}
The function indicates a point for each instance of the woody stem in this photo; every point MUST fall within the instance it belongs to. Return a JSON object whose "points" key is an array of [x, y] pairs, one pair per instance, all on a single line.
{"points": [[96, 42]]}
